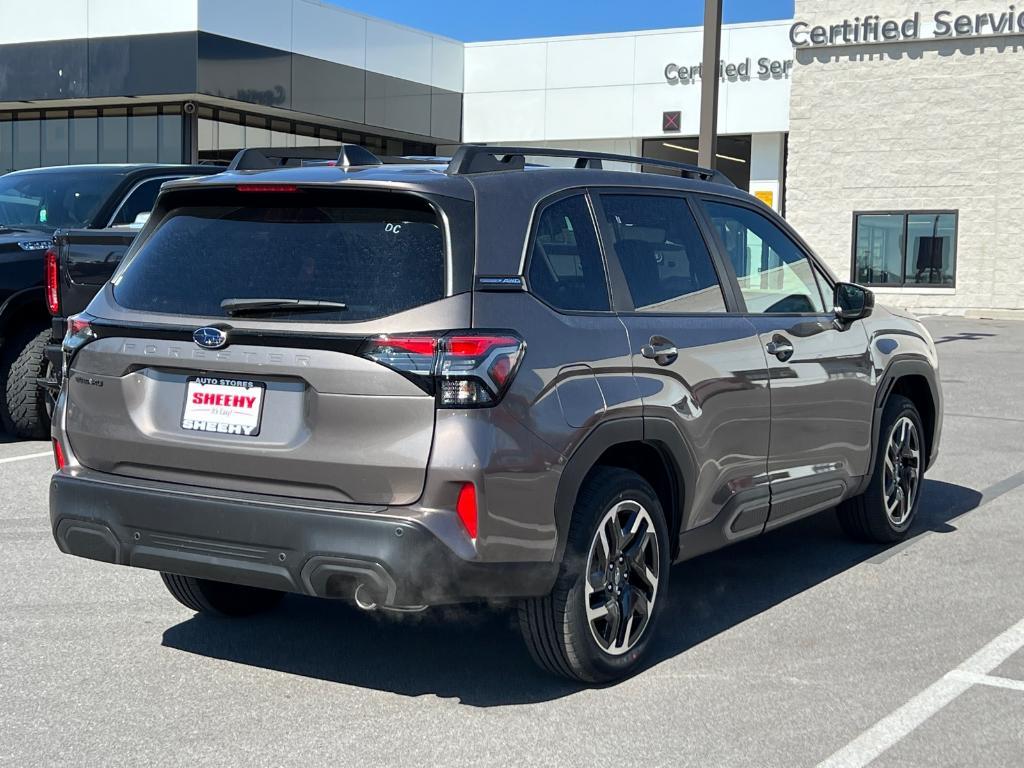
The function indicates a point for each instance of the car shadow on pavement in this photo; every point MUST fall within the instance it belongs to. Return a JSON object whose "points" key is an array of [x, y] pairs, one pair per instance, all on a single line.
{"points": [[474, 653]]}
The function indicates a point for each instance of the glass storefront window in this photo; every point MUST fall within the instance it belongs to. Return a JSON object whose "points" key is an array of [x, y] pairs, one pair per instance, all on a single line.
{"points": [[223, 132], [905, 248], [55, 140], [879, 249], [83, 139], [169, 150], [141, 134], [6, 146], [143, 139], [931, 252], [113, 139], [27, 144]]}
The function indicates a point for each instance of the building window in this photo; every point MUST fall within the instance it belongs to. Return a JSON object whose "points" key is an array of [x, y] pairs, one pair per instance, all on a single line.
{"points": [[905, 248], [223, 132], [107, 135]]}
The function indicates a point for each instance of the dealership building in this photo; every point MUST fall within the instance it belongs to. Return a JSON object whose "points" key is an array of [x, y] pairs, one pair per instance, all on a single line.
{"points": [[886, 134]]}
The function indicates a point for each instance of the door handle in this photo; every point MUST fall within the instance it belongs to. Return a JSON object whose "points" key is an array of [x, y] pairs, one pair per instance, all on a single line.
{"points": [[781, 347], [660, 350]]}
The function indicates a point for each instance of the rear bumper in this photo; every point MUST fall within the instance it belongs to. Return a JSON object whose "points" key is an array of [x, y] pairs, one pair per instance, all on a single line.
{"points": [[315, 550]]}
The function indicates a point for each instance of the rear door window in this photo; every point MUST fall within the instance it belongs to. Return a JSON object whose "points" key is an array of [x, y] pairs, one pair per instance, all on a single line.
{"points": [[664, 258], [377, 260], [566, 266]]}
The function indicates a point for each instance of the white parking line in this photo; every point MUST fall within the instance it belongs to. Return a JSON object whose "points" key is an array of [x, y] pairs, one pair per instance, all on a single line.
{"points": [[27, 456], [991, 680], [890, 729]]}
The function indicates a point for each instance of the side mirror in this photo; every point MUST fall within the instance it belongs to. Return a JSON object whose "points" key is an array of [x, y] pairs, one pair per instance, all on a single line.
{"points": [[141, 219], [853, 302]]}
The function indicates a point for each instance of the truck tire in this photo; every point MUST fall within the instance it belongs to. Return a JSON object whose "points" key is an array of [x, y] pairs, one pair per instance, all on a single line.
{"points": [[220, 598], [22, 364], [598, 621], [884, 513]]}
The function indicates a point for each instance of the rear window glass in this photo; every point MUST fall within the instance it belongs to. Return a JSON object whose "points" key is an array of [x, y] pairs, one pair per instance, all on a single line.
{"points": [[377, 261]]}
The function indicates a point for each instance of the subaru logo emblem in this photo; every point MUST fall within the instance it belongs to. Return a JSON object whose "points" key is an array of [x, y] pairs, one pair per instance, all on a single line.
{"points": [[210, 338]]}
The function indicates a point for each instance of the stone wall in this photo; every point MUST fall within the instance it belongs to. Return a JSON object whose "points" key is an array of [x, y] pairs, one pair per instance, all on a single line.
{"points": [[928, 124]]}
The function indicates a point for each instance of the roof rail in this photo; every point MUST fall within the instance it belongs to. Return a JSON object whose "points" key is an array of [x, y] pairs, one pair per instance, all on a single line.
{"points": [[344, 156], [475, 158]]}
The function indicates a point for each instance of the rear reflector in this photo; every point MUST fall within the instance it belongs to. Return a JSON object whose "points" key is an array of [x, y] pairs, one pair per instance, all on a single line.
{"points": [[466, 508], [267, 188], [58, 456]]}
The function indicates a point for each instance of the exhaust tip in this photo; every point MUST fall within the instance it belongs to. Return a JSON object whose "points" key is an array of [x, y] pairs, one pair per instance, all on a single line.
{"points": [[364, 597]]}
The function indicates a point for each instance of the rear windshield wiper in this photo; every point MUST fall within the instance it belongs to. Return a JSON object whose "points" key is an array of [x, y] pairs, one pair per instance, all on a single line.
{"points": [[237, 307]]}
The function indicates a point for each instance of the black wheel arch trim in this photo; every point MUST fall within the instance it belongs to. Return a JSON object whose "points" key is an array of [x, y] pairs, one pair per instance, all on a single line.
{"points": [[11, 308], [896, 370], [661, 435]]}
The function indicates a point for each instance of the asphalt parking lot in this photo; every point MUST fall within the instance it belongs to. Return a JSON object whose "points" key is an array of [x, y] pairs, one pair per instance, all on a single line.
{"points": [[792, 650]]}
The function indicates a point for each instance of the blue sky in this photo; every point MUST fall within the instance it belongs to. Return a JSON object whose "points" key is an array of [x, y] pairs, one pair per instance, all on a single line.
{"points": [[487, 20]]}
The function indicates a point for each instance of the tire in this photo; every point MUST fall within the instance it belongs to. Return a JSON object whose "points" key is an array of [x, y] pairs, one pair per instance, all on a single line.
{"points": [[867, 517], [557, 630], [219, 598], [23, 403]]}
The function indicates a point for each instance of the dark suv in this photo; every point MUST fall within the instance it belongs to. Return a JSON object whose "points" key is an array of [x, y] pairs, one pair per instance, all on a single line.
{"points": [[419, 384]]}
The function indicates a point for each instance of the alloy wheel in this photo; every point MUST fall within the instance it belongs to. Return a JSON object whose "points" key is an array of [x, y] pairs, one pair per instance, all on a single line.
{"points": [[623, 569], [902, 475]]}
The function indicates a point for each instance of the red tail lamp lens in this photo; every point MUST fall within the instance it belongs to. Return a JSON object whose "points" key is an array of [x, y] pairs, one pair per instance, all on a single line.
{"points": [[475, 346], [414, 345], [409, 354], [58, 456], [77, 324], [466, 370], [52, 295], [466, 508]]}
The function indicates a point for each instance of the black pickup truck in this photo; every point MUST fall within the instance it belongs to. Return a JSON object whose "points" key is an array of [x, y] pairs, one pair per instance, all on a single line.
{"points": [[35, 204]]}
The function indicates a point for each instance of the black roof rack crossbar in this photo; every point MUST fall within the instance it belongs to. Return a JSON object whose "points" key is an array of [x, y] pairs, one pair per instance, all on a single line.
{"points": [[344, 156], [476, 158]]}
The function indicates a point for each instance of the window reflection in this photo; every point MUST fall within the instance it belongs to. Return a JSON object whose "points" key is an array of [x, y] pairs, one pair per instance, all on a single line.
{"points": [[223, 132], [931, 251]]}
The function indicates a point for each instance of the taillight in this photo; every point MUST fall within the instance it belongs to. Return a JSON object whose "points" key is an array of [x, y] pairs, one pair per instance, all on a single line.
{"points": [[52, 285], [58, 456], [464, 370], [409, 354], [79, 334], [466, 508], [476, 370]]}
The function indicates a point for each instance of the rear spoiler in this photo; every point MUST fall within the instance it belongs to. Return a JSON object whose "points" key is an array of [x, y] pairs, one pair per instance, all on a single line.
{"points": [[344, 156]]}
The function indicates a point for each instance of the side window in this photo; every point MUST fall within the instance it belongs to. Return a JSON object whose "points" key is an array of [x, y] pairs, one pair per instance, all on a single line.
{"points": [[827, 291], [665, 260], [566, 268], [141, 200], [774, 275]]}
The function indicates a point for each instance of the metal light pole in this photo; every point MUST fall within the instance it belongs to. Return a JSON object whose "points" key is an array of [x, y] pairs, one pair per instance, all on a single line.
{"points": [[708, 146]]}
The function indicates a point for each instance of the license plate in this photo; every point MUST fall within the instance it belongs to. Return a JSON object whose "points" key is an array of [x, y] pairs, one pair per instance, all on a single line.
{"points": [[223, 406]]}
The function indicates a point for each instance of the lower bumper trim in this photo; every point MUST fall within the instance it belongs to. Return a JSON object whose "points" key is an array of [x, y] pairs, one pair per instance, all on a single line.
{"points": [[237, 540]]}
